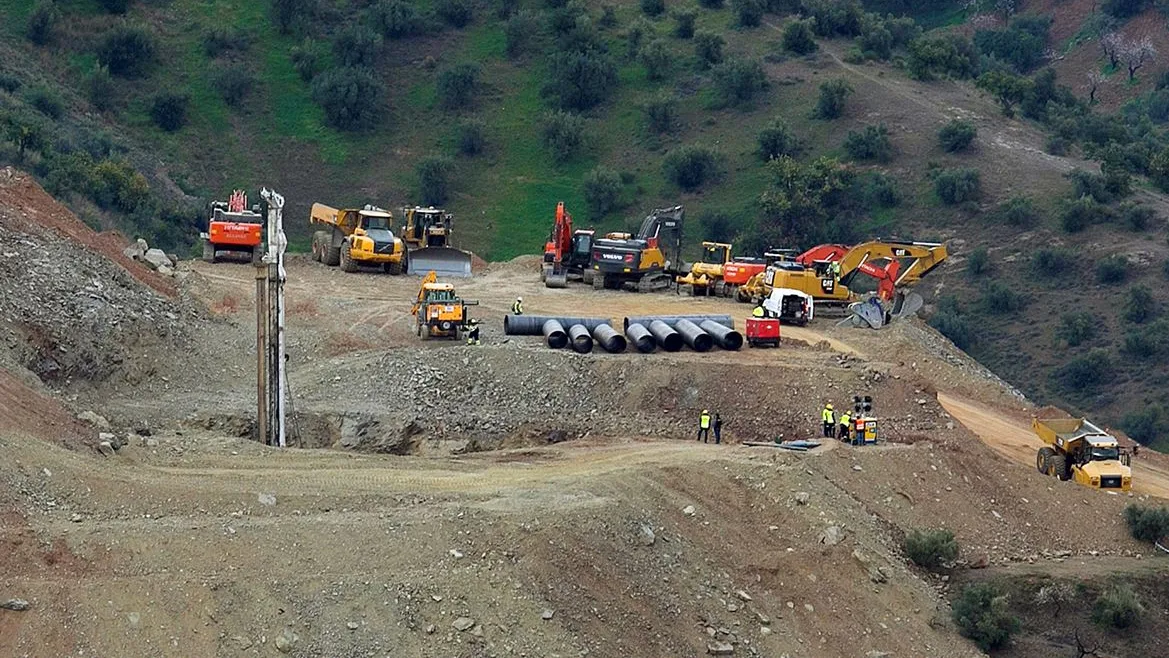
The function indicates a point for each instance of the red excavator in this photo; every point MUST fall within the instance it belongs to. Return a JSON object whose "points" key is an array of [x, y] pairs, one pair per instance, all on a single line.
{"points": [[567, 252], [232, 226]]}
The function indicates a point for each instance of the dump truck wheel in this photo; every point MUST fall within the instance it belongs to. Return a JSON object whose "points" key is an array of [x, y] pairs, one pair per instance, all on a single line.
{"points": [[1041, 458], [347, 264], [1057, 465], [394, 268], [598, 282], [331, 256], [208, 251]]}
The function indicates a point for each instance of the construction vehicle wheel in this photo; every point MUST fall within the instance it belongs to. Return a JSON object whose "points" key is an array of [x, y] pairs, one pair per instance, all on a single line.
{"points": [[598, 281], [257, 255], [331, 256], [394, 268], [1057, 465], [208, 251], [347, 264], [742, 296], [1041, 458], [425, 329], [587, 277]]}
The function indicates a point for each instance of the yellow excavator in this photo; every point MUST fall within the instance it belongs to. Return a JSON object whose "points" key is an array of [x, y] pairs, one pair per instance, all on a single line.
{"points": [[438, 311], [893, 264], [427, 234]]}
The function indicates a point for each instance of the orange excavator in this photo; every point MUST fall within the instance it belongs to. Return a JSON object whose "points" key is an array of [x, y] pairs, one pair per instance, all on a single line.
{"points": [[232, 226], [567, 252]]}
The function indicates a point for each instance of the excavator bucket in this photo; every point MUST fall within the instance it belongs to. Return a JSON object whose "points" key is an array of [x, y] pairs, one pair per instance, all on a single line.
{"points": [[446, 261], [907, 305], [556, 280]]}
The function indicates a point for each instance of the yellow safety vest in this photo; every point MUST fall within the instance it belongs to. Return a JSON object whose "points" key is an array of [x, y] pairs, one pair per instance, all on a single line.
{"points": [[826, 415], [758, 312], [704, 421], [517, 309], [845, 419]]}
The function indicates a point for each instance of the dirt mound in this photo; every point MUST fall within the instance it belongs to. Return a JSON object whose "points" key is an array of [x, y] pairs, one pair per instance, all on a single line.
{"points": [[30, 412]]}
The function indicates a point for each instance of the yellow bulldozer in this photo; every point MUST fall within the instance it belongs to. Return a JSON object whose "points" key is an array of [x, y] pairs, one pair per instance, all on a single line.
{"points": [[427, 233], [1078, 450], [438, 311], [353, 238], [712, 276]]}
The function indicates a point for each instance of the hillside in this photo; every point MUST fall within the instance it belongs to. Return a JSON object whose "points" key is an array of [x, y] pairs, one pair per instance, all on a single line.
{"points": [[1010, 315]]}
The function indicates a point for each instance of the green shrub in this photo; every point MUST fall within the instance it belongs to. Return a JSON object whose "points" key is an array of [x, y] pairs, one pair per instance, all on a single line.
{"points": [[957, 185], [234, 83], [930, 548], [520, 33], [833, 95], [708, 47], [879, 190], [456, 13], [1057, 145], [115, 6], [652, 8], [684, 23], [1001, 299], [118, 185], [738, 81], [1017, 211], [9, 82], [608, 16], [357, 45], [949, 55], [1135, 216], [1149, 343], [433, 173], [957, 135], [1084, 373], [580, 80], [1050, 261], [45, 101], [691, 166], [308, 59], [350, 96], [456, 86], [1145, 425], [26, 131], [872, 143], [601, 189], [712, 4], [126, 51], [1165, 269], [1086, 183], [1124, 8], [1139, 305], [395, 19], [657, 59], [505, 9], [563, 134], [661, 114], [748, 13], [1112, 270], [291, 15], [1082, 213], [1076, 328], [1117, 607], [982, 614], [777, 140], [472, 137], [563, 21], [223, 40], [635, 36], [798, 38], [169, 110], [954, 326], [978, 263], [717, 225], [41, 22], [100, 90]]}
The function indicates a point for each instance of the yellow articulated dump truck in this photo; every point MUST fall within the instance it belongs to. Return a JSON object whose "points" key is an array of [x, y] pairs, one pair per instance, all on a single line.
{"points": [[1078, 450], [357, 237]]}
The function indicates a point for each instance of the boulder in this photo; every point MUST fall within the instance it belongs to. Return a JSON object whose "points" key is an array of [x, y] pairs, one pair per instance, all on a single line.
{"points": [[720, 649], [134, 252], [166, 270], [157, 258], [18, 605], [382, 434], [832, 535], [93, 419]]}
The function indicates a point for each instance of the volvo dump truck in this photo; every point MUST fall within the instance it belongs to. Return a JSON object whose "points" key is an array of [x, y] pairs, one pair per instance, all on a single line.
{"points": [[438, 311], [1078, 450], [355, 238], [646, 262], [233, 227], [427, 234], [567, 252], [709, 275]]}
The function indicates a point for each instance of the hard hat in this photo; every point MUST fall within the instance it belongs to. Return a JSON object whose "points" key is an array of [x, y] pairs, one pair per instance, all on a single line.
{"points": [[705, 411], [828, 406], [519, 299]]}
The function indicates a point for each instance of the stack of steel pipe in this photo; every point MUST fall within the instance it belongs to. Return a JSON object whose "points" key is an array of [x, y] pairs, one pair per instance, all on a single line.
{"points": [[642, 339], [700, 332], [562, 332]]}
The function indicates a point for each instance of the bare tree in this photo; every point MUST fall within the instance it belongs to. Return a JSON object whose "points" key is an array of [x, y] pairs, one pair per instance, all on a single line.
{"points": [[1095, 79], [1136, 54], [1083, 649], [1055, 595], [1112, 43]]}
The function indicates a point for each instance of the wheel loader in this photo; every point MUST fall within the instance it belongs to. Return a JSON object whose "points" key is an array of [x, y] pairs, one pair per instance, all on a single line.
{"points": [[1078, 450], [427, 234], [354, 238], [646, 262], [233, 227], [438, 311]]}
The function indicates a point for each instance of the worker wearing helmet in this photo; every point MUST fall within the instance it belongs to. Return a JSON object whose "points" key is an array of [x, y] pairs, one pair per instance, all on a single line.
{"points": [[704, 426], [758, 311], [473, 334], [829, 419], [845, 433], [518, 307]]}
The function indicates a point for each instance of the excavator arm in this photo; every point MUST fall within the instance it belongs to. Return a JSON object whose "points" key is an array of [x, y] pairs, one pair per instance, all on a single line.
{"points": [[893, 264], [430, 278]]}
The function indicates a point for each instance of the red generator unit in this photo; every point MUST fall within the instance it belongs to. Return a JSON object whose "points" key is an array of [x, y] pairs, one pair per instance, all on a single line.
{"points": [[763, 332]]}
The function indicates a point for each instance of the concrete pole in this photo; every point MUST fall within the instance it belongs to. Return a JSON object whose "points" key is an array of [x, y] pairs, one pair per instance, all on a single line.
{"points": [[262, 410]]}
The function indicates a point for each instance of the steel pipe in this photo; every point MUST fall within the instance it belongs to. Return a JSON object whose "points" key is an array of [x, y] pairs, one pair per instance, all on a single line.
{"points": [[533, 325], [668, 339], [671, 320], [696, 338], [642, 339], [610, 340], [554, 334], [582, 342], [728, 339]]}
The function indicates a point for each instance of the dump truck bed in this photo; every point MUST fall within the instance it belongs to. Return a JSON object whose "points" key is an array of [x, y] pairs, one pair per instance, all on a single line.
{"points": [[1067, 429]]}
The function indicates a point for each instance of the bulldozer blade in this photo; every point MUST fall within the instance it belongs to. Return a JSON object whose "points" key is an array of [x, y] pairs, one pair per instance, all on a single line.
{"points": [[444, 261]]}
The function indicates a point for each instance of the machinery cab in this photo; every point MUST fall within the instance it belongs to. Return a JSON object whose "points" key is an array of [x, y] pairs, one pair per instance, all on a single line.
{"points": [[658, 245], [582, 248], [232, 226], [372, 223], [427, 227]]}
